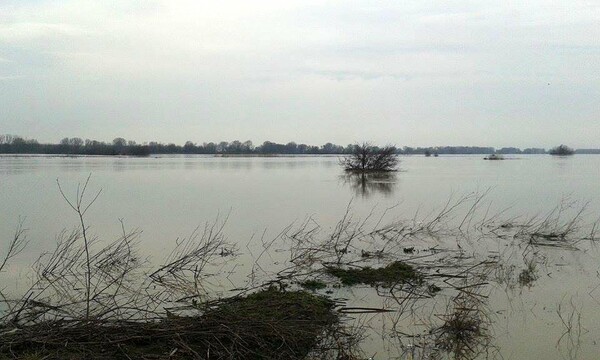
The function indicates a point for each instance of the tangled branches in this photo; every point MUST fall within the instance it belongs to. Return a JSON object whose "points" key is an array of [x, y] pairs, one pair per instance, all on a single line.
{"points": [[367, 158]]}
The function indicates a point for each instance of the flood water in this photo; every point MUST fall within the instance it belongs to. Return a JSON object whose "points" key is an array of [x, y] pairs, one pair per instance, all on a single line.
{"points": [[167, 197]]}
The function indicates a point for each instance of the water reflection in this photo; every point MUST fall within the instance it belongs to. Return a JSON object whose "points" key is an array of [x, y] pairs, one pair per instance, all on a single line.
{"points": [[563, 163], [370, 184]]}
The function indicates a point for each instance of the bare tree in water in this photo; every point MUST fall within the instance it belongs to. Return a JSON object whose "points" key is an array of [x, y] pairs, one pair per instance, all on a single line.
{"points": [[368, 158]]}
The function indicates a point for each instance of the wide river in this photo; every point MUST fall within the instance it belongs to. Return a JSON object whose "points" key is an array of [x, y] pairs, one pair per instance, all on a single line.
{"points": [[167, 197]]}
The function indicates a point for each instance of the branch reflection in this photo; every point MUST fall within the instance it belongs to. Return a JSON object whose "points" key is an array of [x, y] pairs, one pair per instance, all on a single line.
{"points": [[369, 184]]}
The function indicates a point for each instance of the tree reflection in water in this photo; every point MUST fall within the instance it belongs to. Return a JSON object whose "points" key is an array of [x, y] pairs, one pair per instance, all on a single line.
{"points": [[368, 184]]}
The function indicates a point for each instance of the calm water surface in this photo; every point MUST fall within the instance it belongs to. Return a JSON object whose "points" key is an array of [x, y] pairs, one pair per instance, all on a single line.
{"points": [[167, 197]]}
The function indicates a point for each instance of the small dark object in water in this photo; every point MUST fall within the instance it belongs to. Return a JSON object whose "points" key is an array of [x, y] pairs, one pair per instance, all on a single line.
{"points": [[433, 289], [367, 254], [494, 157], [313, 285]]}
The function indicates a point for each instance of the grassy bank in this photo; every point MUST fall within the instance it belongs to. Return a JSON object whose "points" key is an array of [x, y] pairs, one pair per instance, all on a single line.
{"points": [[269, 324]]}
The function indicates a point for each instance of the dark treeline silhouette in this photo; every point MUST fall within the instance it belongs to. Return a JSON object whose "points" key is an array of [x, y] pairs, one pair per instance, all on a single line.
{"points": [[10, 144], [71, 146], [512, 150], [446, 150], [587, 151]]}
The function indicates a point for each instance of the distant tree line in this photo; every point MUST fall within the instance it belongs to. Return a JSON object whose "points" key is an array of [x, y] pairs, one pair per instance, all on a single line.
{"points": [[587, 151], [10, 144]]}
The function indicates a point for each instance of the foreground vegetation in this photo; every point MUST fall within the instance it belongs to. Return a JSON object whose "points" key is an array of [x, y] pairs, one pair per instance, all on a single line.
{"points": [[268, 324]]}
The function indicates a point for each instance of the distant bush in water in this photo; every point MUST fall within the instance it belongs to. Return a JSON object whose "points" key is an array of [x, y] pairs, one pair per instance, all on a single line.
{"points": [[367, 158], [561, 150]]}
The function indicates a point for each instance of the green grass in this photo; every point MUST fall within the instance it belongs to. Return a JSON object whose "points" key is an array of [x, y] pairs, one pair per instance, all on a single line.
{"points": [[396, 272]]}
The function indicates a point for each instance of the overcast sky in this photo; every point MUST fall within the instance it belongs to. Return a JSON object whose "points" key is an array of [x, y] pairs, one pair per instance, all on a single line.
{"points": [[497, 73]]}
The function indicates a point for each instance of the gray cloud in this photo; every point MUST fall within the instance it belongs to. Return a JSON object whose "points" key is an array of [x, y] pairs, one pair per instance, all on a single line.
{"points": [[410, 73]]}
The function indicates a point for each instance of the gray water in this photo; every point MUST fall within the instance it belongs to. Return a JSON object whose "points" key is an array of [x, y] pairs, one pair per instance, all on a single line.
{"points": [[168, 196]]}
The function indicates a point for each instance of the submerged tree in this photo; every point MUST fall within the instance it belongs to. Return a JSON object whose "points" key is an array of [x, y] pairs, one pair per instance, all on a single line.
{"points": [[561, 150], [367, 158]]}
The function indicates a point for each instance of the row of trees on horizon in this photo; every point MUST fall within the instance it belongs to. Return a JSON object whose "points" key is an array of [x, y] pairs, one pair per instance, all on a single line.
{"points": [[10, 144]]}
